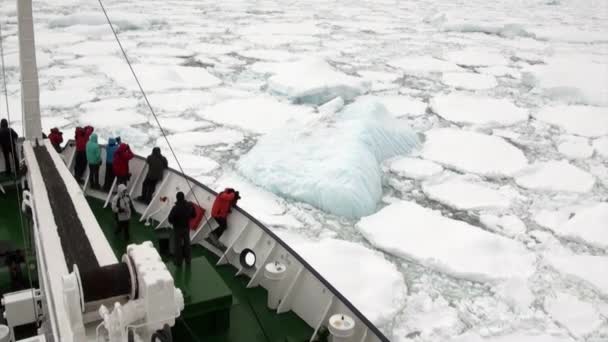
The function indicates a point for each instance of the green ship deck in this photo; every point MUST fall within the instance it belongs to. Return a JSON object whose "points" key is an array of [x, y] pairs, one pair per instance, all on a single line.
{"points": [[215, 299]]}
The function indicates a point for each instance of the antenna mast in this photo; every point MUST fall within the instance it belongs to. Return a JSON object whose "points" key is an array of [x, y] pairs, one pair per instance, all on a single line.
{"points": [[30, 96]]}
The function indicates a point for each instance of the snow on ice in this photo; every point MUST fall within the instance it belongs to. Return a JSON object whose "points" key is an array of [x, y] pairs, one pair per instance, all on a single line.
{"points": [[476, 57], [400, 105], [469, 80], [477, 110], [473, 152], [463, 194], [575, 147], [555, 176], [364, 276], [601, 146], [314, 81], [188, 140], [514, 337], [587, 121], [334, 166], [414, 168], [411, 231], [161, 78]]}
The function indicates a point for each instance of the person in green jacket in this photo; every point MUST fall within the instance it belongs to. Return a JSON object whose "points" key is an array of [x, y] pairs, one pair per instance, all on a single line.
{"points": [[94, 160]]}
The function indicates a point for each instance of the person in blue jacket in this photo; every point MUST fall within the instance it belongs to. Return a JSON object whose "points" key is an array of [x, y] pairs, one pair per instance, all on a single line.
{"points": [[93, 153], [110, 149]]}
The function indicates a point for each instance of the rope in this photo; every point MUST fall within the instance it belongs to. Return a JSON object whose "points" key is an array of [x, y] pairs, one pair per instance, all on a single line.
{"points": [[13, 154], [141, 89]]}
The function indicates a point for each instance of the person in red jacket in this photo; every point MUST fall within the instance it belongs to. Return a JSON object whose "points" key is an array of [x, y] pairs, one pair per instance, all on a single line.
{"points": [[81, 137], [56, 138], [120, 164], [222, 206]]}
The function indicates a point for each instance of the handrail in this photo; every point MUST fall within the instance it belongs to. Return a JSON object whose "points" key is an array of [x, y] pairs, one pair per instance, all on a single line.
{"points": [[301, 260]]}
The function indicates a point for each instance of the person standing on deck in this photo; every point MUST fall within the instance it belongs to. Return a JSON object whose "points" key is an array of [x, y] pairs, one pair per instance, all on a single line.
{"points": [[56, 138], [157, 164], [120, 163], [82, 137], [93, 152], [8, 138], [222, 206], [110, 149], [123, 207], [179, 217]]}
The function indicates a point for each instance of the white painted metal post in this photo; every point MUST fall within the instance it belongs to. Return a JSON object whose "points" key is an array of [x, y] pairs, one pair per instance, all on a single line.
{"points": [[30, 98]]}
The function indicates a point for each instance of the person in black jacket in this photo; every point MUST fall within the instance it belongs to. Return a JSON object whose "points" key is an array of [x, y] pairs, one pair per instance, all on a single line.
{"points": [[8, 138], [179, 217], [157, 164]]}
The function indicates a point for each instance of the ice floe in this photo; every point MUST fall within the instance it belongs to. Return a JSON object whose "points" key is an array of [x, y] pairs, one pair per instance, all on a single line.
{"points": [[593, 273], [473, 152], [414, 168], [260, 114], [575, 147], [423, 65], [574, 78], [509, 225], [601, 146], [193, 165], [586, 121], [469, 80], [314, 81], [555, 176], [179, 124], [506, 30], [514, 337], [462, 194], [159, 78], [401, 105], [476, 57], [588, 225], [364, 276], [334, 166], [188, 140], [411, 231], [478, 110], [578, 316]]}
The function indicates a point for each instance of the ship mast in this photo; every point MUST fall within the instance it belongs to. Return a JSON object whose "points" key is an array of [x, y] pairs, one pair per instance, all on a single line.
{"points": [[30, 93]]}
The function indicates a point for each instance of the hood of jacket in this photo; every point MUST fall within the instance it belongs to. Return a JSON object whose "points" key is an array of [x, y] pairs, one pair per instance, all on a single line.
{"points": [[93, 138], [111, 142], [3, 123]]}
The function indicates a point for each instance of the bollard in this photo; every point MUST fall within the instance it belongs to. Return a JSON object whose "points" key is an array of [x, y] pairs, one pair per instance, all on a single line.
{"points": [[274, 272], [341, 327]]}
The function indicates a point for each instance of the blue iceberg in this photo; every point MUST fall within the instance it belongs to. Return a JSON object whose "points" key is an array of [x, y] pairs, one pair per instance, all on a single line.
{"points": [[334, 163]]}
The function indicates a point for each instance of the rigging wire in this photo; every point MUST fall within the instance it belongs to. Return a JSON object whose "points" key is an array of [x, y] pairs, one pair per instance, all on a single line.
{"points": [[141, 89], [26, 237]]}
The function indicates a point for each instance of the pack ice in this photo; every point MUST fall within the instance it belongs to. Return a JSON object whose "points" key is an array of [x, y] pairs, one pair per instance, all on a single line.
{"points": [[314, 81], [333, 164], [411, 231]]}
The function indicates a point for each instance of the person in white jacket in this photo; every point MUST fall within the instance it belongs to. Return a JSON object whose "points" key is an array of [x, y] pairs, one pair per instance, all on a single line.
{"points": [[123, 207]]}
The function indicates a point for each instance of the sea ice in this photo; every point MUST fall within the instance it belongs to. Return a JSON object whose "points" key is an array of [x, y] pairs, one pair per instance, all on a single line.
{"points": [[334, 166], [575, 147], [466, 195], [509, 225], [177, 102], [473, 152], [111, 118], [477, 110], [188, 140], [574, 78], [374, 285], [411, 231], [601, 146], [588, 225], [400, 105], [593, 272], [331, 107], [260, 114], [314, 81], [476, 57], [469, 80], [508, 30], [424, 65], [193, 165], [160, 78], [555, 176], [179, 124], [516, 293], [513, 337], [414, 168], [586, 121], [579, 317]]}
